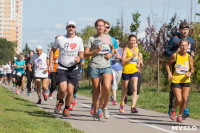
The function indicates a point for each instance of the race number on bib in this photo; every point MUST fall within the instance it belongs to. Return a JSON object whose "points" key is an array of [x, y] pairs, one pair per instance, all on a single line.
{"points": [[181, 69], [105, 49], [134, 60], [19, 74]]}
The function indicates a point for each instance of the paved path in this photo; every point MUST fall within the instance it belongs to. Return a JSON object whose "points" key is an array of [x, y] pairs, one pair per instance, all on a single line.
{"points": [[142, 122]]}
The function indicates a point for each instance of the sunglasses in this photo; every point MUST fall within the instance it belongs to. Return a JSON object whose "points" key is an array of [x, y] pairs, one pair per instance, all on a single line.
{"points": [[71, 26], [107, 27]]}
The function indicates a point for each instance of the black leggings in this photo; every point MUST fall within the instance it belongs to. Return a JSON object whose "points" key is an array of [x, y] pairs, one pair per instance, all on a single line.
{"points": [[53, 82], [8, 77], [30, 77], [19, 79], [130, 88]]}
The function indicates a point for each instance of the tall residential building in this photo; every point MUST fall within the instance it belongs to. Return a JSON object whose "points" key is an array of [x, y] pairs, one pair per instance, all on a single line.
{"points": [[11, 21]]}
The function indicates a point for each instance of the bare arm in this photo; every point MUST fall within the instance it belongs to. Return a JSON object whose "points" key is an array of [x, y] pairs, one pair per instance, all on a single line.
{"points": [[52, 51], [189, 73], [89, 53], [124, 59]]}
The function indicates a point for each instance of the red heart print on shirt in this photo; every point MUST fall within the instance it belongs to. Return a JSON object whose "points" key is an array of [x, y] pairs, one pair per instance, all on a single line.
{"points": [[73, 45]]}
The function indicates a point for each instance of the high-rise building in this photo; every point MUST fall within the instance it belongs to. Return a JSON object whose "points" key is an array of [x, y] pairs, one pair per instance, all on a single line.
{"points": [[11, 21]]}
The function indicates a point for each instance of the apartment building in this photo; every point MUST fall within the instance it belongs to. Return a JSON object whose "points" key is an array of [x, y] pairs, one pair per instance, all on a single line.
{"points": [[11, 21]]}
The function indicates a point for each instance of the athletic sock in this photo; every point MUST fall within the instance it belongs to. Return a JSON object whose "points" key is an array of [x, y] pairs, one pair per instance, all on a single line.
{"points": [[66, 107], [132, 106], [122, 103], [61, 101]]}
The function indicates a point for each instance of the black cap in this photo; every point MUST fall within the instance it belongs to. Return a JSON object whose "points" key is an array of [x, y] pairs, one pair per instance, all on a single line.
{"points": [[183, 25]]}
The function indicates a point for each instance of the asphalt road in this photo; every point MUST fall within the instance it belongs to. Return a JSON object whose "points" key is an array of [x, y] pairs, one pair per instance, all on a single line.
{"points": [[142, 122]]}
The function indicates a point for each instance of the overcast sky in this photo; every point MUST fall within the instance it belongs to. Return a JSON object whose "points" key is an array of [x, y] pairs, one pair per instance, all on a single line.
{"points": [[44, 19]]}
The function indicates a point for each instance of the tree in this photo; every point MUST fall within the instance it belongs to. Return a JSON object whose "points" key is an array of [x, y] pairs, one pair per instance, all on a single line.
{"points": [[136, 23], [49, 46], [7, 51], [26, 49], [86, 33]]}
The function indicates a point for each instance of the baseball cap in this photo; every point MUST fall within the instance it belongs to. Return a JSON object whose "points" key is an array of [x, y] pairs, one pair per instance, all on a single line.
{"points": [[183, 25], [71, 23], [39, 47]]}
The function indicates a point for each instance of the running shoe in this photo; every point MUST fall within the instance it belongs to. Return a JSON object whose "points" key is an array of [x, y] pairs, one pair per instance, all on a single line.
{"points": [[125, 100], [74, 95], [66, 113], [28, 93], [179, 119], [186, 113], [114, 102], [71, 108], [173, 115], [92, 109], [14, 88], [50, 96], [121, 109], [58, 107], [100, 113], [73, 102], [106, 113], [18, 91], [45, 96], [134, 110], [111, 97], [96, 116], [39, 101]]}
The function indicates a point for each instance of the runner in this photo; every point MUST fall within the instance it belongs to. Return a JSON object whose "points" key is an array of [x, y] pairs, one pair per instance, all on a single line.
{"points": [[172, 47], [98, 47], [40, 62], [130, 62], [29, 75], [13, 73], [8, 72], [117, 72], [1, 74], [182, 64], [70, 53], [4, 75], [19, 76], [53, 74]]}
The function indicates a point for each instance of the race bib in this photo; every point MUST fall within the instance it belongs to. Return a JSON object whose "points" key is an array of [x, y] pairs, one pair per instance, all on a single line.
{"points": [[181, 69], [19, 74], [105, 49], [134, 60]]}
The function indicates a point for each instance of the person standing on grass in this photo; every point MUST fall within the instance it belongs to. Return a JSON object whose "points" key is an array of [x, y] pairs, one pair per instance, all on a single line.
{"points": [[19, 66], [182, 64], [117, 67], [40, 62], [173, 47], [98, 47], [29, 75], [130, 62], [71, 51]]}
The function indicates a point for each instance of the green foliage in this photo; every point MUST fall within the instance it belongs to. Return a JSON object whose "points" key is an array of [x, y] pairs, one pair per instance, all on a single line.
{"points": [[136, 23], [7, 50], [86, 33], [26, 49], [145, 54], [49, 46], [116, 31]]}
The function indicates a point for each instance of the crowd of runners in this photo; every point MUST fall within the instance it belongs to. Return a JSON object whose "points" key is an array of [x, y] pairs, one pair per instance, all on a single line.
{"points": [[61, 69]]}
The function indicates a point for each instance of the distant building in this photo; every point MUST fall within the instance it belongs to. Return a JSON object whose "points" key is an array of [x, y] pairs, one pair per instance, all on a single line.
{"points": [[11, 21]]}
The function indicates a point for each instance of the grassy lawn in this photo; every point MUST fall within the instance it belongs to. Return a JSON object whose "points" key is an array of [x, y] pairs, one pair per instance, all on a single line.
{"points": [[21, 116], [150, 99]]}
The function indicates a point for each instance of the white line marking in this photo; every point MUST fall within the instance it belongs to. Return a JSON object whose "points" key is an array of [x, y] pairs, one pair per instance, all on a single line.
{"points": [[118, 116]]}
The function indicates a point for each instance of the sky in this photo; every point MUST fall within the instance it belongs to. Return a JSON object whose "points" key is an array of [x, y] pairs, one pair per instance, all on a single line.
{"points": [[45, 19]]}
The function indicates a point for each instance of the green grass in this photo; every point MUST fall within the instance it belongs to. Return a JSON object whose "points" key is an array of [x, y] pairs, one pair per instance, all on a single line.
{"points": [[150, 99], [21, 116]]}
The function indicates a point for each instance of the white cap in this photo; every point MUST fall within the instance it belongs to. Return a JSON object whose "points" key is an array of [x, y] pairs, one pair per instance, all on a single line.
{"points": [[71, 23], [39, 47], [15, 58]]}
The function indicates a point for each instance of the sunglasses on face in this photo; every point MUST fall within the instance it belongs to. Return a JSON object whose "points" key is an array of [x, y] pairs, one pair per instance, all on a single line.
{"points": [[71, 26], [107, 27]]}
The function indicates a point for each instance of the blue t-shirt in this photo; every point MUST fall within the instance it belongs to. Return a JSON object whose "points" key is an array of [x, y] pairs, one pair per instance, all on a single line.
{"points": [[117, 63], [114, 43], [21, 63]]}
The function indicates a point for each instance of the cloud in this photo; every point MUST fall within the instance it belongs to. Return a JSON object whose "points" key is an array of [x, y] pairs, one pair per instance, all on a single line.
{"points": [[59, 26], [141, 35], [86, 20]]}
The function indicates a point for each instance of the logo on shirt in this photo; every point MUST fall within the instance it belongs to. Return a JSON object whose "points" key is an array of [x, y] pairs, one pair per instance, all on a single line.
{"points": [[73, 46]]}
